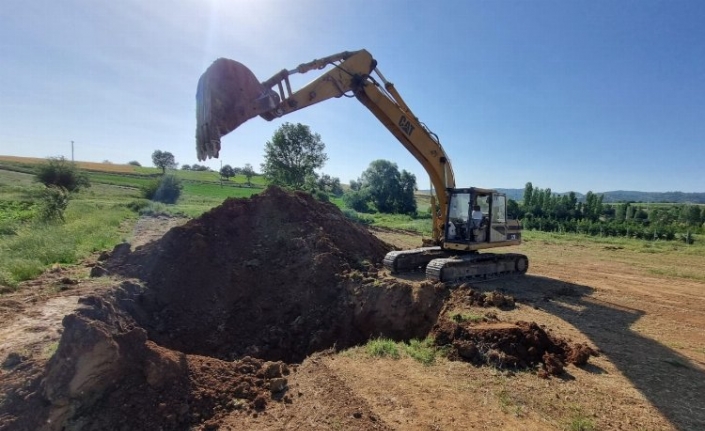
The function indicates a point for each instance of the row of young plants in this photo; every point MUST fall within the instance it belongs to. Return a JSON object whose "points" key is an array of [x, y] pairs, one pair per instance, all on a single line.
{"points": [[611, 228]]}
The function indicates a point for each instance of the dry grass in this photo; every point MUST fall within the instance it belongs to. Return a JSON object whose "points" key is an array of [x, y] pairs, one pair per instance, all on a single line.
{"points": [[89, 166], [647, 319]]}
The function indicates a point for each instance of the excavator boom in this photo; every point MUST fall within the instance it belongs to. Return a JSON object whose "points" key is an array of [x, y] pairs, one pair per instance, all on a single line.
{"points": [[229, 94]]}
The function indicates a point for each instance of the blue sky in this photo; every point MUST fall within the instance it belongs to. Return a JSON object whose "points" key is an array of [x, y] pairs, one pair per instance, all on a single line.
{"points": [[571, 95]]}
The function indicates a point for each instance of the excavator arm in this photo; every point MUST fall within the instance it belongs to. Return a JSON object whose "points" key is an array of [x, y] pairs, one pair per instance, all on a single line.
{"points": [[229, 94]]}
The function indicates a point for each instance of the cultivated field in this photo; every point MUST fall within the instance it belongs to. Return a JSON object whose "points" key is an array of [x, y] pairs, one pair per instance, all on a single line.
{"points": [[641, 305]]}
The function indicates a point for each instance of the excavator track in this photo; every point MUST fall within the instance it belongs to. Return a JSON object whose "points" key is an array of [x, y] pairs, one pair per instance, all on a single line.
{"points": [[476, 266], [412, 260]]}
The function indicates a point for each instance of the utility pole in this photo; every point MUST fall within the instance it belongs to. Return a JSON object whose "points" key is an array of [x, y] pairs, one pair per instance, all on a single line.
{"points": [[71, 151]]}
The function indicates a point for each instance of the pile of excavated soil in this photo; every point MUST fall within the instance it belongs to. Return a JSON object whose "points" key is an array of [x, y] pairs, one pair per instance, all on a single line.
{"points": [[261, 277], [485, 340]]}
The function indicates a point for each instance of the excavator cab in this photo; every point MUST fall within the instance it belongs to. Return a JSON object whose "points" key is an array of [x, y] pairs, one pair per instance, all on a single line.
{"points": [[477, 218]]}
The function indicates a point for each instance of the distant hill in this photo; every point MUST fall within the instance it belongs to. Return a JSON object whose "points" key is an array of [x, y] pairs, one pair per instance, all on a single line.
{"points": [[624, 196], [670, 197]]}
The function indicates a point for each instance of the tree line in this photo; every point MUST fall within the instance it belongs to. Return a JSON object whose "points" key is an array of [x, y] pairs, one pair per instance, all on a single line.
{"points": [[541, 209]]}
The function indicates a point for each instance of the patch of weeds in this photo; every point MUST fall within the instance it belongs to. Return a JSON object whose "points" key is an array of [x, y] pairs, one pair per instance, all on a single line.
{"points": [[466, 317], [20, 270], [154, 209], [7, 282], [580, 422], [422, 351], [444, 351], [382, 347], [138, 205], [49, 350], [505, 401]]}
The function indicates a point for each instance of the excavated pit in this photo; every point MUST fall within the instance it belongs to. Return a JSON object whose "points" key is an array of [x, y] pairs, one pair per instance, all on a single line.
{"points": [[277, 277], [218, 312]]}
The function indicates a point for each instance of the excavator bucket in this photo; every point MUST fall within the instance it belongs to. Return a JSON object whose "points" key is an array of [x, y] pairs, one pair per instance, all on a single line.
{"points": [[228, 95]]}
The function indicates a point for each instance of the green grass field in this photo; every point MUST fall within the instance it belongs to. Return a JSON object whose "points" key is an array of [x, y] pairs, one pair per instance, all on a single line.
{"points": [[97, 217]]}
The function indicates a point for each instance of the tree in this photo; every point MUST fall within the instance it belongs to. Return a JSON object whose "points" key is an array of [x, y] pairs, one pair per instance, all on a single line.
{"points": [[293, 154], [357, 200], [528, 194], [164, 160], [227, 172], [693, 215], [200, 168], [166, 189], [406, 202], [513, 209], [389, 190], [134, 163], [248, 172], [186, 167], [58, 171], [330, 185]]}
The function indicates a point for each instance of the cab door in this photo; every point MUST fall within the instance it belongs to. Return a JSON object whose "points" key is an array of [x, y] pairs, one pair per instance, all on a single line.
{"points": [[498, 218]]}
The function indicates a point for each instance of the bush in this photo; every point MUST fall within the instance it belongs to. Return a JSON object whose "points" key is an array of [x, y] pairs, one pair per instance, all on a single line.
{"points": [[60, 172], [134, 163], [321, 195], [166, 189], [357, 200], [53, 204]]}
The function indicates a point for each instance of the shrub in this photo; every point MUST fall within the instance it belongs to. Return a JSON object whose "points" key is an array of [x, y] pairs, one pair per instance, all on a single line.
{"points": [[54, 201], [321, 195], [166, 189], [134, 163], [60, 172], [357, 200]]}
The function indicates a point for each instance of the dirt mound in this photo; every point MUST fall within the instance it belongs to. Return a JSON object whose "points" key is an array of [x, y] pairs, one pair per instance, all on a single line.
{"points": [[485, 299], [509, 345], [259, 277]]}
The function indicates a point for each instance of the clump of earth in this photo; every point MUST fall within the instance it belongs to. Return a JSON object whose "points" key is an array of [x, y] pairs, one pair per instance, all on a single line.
{"points": [[215, 315]]}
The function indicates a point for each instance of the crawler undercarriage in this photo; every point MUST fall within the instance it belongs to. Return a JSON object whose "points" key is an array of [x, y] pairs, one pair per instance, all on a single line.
{"points": [[448, 266]]}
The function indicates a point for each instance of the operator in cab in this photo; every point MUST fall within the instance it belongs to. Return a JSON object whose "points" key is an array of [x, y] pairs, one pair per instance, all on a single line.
{"points": [[476, 216]]}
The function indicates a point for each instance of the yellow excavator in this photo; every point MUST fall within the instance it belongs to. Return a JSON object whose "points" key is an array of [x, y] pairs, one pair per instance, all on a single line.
{"points": [[467, 219]]}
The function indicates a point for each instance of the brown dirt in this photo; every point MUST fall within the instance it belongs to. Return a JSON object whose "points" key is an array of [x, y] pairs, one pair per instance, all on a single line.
{"points": [[233, 321], [273, 278]]}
